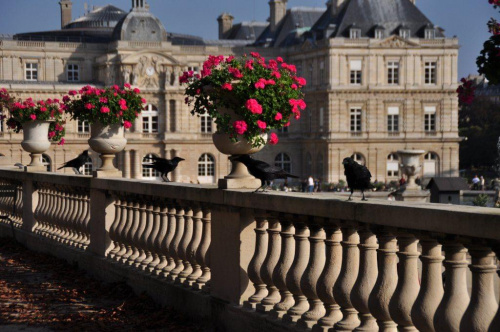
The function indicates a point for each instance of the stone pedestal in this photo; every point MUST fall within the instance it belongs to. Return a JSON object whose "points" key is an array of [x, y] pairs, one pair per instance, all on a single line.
{"points": [[413, 195], [35, 168]]}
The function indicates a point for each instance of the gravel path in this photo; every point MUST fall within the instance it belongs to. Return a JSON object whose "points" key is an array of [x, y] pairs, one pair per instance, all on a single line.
{"points": [[40, 293]]}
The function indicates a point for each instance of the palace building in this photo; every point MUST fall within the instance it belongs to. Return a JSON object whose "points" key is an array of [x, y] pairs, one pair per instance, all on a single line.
{"points": [[381, 78]]}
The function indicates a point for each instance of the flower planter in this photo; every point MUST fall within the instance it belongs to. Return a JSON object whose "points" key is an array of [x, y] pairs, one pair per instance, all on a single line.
{"points": [[239, 178], [36, 141], [107, 141]]}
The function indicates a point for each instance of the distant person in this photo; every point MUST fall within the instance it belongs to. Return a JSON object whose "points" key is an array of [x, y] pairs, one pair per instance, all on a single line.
{"points": [[310, 184], [482, 182], [475, 183], [402, 181]]}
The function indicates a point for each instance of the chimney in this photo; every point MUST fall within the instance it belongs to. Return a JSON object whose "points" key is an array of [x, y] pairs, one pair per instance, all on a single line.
{"points": [[335, 6], [278, 12], [65, 12], [225, 24], [140, 5]]}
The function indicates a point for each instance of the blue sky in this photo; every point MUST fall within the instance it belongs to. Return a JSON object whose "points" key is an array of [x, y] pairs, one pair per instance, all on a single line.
{"points": [[464, 18]]}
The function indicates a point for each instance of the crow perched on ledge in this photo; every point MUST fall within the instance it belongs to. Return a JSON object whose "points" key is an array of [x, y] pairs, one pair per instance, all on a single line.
{"points": [[77, 163], [164, 166], [263, 171], [358, 176]]}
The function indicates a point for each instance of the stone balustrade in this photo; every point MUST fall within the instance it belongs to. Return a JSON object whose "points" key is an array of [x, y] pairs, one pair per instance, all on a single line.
{"points": [[272, 261]]}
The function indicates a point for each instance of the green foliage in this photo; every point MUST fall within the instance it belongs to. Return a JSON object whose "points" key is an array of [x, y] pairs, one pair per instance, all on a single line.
{"points": [[480, 200]]}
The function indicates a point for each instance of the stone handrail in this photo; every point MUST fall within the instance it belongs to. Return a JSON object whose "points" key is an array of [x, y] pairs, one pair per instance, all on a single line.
{"points": [[271, 260]]}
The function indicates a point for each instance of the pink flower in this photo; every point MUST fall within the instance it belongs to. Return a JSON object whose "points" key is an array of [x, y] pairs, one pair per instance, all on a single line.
{"points": [[103, 100], [123, 107], [253, 106], [89, 106], [127, 85], [52, 134], [273, 139], [270, 82], [127, 124], [260, 84], [229, 58], [294, 86], [137, 90], [235, 72], [249, 64], [300, 80], [279, 59], [62, 141], [143, 100], [255, 54], [227, 86], [104, 109], [261, 124], [278, 116], [33, 117], [122, 102], [276, 74], [240, 127], [116, 87], [66, 99], [72, 93], [43, 109]]}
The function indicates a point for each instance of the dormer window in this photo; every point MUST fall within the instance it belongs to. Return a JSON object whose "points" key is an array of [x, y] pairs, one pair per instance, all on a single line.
{"points": [[430, 33], [379, 33], [355, 33], [404, 33]]}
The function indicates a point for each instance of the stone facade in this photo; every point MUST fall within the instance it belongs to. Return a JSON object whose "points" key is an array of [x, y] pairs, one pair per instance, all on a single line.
{"points": [[343, 118]]}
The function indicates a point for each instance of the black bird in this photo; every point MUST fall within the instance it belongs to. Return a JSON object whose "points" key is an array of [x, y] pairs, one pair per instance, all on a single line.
{"points": [[78, 162], [262, 170], [164, 166], [358, 176]]}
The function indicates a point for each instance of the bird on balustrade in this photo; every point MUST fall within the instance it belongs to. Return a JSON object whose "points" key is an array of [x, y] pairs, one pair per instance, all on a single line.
{"points": [[77, 163], [358, 176], [263, 171], [163, 166]]}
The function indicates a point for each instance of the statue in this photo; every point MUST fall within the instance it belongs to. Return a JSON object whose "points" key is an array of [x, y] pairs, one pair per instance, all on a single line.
{"points": [[168, 76], [126, 76]]}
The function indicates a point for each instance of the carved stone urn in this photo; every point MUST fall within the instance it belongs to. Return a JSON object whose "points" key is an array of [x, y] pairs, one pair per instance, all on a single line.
{"points": [[36, 141], [410, 166], [107, 141], [239, 178]]}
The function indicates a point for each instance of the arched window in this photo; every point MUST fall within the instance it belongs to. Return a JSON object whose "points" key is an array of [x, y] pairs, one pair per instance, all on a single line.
{"points": [[47, 162], [283, 160], [206, 168], [149, 173], [150, 119], [392, 165], [206, 123], [359, 158], [431, 165], [309, 164], [87, 167]]}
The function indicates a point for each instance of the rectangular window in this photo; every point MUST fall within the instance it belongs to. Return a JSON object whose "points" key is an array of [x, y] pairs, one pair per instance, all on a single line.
{"points": [[206, 123], [430, 119], [393, 119], [430, 73], [355, 67], [355, 120], [430, 34], [355, 33], [83, 127], [321, 120], [404, 33], [31, 71], [73, 73], [393, 72], [379, 34], [172, 112], [149, 124]]}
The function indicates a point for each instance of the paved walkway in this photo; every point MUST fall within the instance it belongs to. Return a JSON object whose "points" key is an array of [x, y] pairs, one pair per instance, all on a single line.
{"points": [[40, 293]]}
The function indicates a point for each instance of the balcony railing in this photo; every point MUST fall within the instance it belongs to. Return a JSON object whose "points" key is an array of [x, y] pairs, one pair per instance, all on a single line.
{"points": [[271, 261]]}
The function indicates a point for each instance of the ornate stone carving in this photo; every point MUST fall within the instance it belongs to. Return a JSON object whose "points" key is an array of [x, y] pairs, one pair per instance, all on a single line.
{"points": [[147, 72]]}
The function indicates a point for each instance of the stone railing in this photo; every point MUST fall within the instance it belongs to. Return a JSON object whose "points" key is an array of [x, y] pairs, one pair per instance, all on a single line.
{"points": [[272, 261]]}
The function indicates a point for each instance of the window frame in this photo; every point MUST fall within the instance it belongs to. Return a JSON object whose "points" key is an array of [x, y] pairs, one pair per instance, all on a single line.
{"points": [[206, 167], [73, 71], [393, 72], [283, 161], [355, 119], [82, 127], [150, 114], [430, 119], [31, 71], [430, 72]]}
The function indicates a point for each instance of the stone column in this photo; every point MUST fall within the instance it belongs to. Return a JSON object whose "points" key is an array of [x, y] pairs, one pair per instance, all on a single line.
{"points": [[385, 285], [30, 202], [483, 305], [126, 164], [102, 210], [431, 289], [366, 280], [407, 289], [348, 274]]}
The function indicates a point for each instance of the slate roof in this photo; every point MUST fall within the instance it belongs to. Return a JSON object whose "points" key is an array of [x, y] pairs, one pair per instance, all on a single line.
{"points": [[247, 30], [390, 14], [448, 184], [106, 16]]}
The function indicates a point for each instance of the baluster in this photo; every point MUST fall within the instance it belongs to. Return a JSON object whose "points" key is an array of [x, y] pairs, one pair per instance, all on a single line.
{"points": [[86, 220], [296, 271], [38, 210], [43, 212], [169, 240], [132, 223], [367, 277], [431, 288], [282, 267], [193, 246], [203, 249], [145, 256], [495, 324], [483, 305], [77, 219], [51, 215], [113, 231], [138, 254], [328, 278], [62, 232], [174, 248], [456, 297], [309, 281], [385, 285], [269, 264], [261, 241], [187, 269], [152, 258], [408, 285], [160, 243], [73, 218]]}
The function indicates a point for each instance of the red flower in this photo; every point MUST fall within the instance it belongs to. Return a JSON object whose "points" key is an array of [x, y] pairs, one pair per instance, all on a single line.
{"points": [[33, 117], [227, 86], [104, 109], [136, 90], [273, 139], [253, 106], [278, 116], [127, 124], [240, 127], [89, 106], [261, 124]]}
